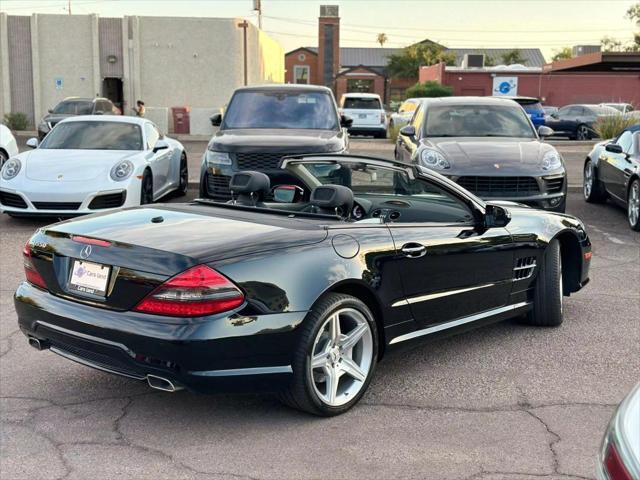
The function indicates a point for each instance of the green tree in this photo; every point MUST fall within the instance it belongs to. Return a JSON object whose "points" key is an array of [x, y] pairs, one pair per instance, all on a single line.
{"points": [[513, 56], [633, 14], [489, 61], [562, 54], [609, 44], [429, 89], [382, 39], [407, 63]]}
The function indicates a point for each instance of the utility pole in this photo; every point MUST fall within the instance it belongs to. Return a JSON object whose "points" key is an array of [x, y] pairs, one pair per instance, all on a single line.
{"points": [[244, 25], [69, 6], [257, 7]]}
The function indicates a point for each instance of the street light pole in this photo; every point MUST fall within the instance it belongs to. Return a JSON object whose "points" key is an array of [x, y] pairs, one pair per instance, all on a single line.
{"points": [[244, 25]]}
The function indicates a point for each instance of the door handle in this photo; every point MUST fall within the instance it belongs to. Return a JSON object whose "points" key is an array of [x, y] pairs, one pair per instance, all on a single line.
{"points": [[414, 250]]}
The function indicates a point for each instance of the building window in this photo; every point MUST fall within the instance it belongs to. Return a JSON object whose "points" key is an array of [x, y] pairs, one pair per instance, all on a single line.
{"points": [[360, 86], [301, 74]]}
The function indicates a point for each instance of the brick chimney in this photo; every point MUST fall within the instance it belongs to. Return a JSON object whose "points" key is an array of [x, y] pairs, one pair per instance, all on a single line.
{"points": [[328, 45]]}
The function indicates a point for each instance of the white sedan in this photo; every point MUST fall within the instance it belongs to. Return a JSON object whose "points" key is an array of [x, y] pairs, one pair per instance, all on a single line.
{"points": [[8, 145], [92, 163]]}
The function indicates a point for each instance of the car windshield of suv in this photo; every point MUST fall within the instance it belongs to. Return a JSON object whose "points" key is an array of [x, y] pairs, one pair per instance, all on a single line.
{"points": [[94, 136], [74, 108], [477, 121], [362, 103], [281, 109]]}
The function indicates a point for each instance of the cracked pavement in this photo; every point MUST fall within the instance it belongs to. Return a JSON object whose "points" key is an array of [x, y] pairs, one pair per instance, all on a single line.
{"points": [[504, 402]]}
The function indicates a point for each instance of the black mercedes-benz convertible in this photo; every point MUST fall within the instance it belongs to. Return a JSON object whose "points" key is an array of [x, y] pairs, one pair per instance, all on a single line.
{"points": [[293, 289]]}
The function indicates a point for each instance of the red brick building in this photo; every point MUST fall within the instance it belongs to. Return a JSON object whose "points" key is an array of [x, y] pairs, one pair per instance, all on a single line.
{"points": [[591, 78]]}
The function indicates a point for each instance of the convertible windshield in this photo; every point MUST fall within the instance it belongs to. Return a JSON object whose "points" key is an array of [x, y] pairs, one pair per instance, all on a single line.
{"points": [[94, 136], [477, 121], [74, 108], [281, 109]]}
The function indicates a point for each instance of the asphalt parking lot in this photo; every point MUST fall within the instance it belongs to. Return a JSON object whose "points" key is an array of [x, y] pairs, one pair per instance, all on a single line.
{"points": [[506, 402]]}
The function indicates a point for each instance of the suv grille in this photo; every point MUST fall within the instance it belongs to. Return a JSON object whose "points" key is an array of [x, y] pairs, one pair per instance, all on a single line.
{"points": [[218, 187], [259, 160], [110, 200], [12, 200], [57, 205], [500, 186]]}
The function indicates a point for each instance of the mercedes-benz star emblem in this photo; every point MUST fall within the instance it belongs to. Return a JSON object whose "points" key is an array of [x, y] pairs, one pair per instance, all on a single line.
{"points": [[86, 251]]}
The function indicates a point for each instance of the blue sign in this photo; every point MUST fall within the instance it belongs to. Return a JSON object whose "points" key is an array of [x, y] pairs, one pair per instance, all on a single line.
{"points": [[505, 86], [59, 83]]}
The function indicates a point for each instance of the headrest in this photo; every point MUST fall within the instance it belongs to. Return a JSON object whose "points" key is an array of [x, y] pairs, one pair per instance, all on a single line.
{"points": [[250, 182], [333, 196]]}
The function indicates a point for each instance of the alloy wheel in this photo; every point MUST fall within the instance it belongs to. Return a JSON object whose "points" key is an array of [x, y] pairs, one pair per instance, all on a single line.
{"points": [[583, 133], [633, 204], [341, 357], [588, 180]]}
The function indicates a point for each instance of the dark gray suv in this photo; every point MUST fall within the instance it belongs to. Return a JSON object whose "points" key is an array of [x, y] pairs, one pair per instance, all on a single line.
{"points": [[264, 123], [489, 146], [75, 106]]}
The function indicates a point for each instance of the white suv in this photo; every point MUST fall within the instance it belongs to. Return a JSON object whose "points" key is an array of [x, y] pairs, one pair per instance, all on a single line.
{"points": [[365, 109]]}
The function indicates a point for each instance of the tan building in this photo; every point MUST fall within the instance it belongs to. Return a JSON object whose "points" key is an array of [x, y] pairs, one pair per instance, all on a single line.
{"points": [[165, 61]]}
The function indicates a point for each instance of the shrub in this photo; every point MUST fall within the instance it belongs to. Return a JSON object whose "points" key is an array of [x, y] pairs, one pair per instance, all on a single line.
{"points": [[16, 121], [429, 89], [612, 125]]}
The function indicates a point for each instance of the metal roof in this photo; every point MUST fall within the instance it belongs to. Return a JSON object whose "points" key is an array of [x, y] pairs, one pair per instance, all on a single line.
{"points": [[379, 57]]}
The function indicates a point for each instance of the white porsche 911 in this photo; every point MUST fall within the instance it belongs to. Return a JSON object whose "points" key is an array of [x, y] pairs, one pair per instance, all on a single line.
{"points": [[93, 163]]}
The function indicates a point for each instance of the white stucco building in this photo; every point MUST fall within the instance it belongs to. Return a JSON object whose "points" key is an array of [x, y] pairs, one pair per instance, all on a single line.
{"points": [[165, 61]]}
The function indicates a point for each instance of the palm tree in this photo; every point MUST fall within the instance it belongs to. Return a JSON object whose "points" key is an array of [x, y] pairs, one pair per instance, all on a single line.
{"points": [[382, 39]]}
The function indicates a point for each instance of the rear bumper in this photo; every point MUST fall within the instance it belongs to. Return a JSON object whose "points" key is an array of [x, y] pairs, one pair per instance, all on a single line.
{"points": [[216, 354]]}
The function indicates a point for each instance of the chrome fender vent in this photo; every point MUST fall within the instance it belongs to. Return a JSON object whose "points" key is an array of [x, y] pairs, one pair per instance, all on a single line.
{"points": [[524, 268]]}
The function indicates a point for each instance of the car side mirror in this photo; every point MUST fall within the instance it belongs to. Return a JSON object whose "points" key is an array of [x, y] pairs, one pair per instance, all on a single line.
{"points": [[287, 193], [554, 115], [408, 131], [216, 119], [346, 121], [545, 131], [613, 148], [160, 145], [496, 216], [49, 110], [32, 142]]}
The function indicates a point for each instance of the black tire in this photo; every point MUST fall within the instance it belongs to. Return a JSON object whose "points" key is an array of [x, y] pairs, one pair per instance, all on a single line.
{"points": [[547, 296], [202, 190], [592, 188], [146, 188], [3, 158], [633, 205], [301, 393], [183, 177], [582, 132]]}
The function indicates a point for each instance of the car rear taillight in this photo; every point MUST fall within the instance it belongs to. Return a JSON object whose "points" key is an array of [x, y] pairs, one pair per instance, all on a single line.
{"points": [[614, 465], [196, 292], [30, 271], [91, 241], [382, 118]]}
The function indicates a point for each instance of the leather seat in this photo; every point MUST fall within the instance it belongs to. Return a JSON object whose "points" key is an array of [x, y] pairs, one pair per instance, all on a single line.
{"points": [[249, 188]]}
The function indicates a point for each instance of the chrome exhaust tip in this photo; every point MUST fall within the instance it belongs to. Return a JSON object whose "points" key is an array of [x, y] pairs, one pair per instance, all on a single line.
{"points": [[37, 344], [163, 384]]}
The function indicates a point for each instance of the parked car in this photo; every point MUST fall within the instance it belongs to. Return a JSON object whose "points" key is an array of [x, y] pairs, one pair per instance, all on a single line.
{"points": [[612, 170], [548, 110], [302, 295], [577, 121], [533, 107], [404, 113], [487, 145], [619, 457], [621, 107], [90, 163], [367, 113], [8, 144], [263, 124], [72, 106]]}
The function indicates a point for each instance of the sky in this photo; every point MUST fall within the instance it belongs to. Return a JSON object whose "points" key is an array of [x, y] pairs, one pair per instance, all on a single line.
{"points": [[546, 24]]}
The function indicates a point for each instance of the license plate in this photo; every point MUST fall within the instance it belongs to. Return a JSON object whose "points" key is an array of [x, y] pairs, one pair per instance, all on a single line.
{"points": [[362, 115], [88, 277]]}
